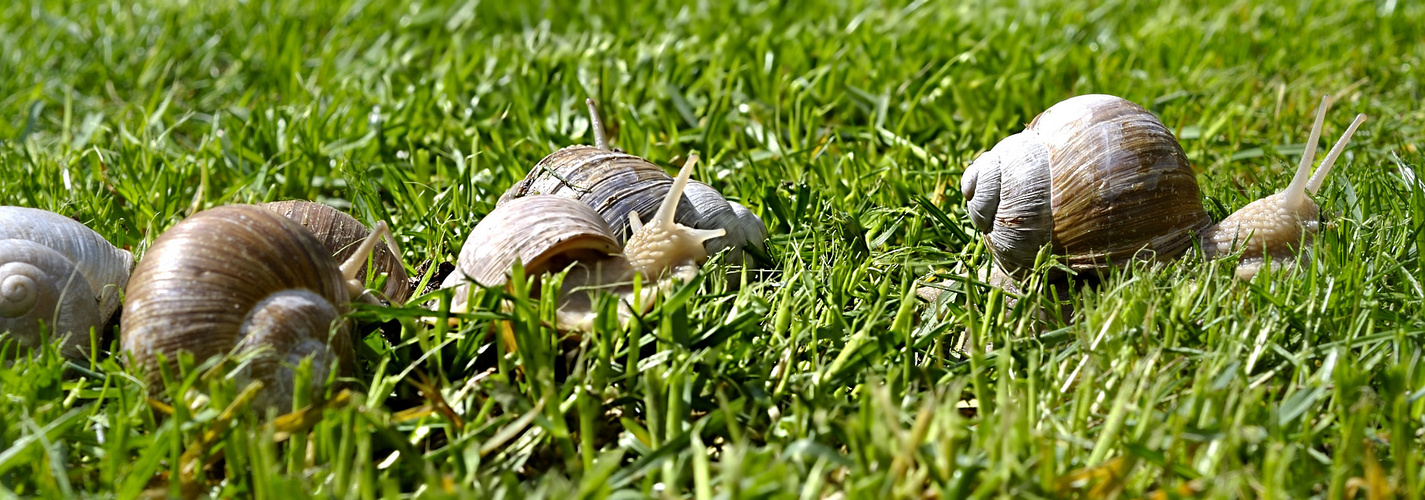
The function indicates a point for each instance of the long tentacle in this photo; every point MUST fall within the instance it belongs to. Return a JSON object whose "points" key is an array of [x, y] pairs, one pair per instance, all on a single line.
{"points": [[1296, 192], [600, 140], [1314, 185]]}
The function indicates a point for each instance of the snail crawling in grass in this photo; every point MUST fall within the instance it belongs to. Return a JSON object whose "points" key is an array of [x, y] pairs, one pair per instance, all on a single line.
{"points": [[244, 279], [1101, 181], [549, 233], [616, 184], [342, 234], [58, 272]]}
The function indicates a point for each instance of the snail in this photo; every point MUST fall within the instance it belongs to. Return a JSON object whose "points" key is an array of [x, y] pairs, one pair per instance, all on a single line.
{"points": [[246, 280], [59, 272], [1100, 180], [548, 233], [341, 234], [617, 184]]}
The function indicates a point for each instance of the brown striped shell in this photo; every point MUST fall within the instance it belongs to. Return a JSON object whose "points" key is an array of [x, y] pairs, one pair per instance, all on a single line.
{"points": [[1097, 177], [240, 279], [342, 234], [616, 184], [59, 272]]}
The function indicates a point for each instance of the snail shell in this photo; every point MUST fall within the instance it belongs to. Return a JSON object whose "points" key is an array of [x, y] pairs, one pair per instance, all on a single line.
{"points": [[342, 235], [549, 233], [240, 279], [1097, 177], [46, 257]]}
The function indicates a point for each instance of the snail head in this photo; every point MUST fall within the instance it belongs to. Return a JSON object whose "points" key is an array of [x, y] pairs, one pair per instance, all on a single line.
{"points": [[662, 247], [1280, 227]]}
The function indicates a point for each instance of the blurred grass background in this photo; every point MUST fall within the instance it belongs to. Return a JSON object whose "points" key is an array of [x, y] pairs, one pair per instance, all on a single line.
{"points": [[845, 125]]}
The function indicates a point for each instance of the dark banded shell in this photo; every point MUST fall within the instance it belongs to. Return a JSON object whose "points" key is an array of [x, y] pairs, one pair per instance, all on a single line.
{"points": [[1119, 188]]}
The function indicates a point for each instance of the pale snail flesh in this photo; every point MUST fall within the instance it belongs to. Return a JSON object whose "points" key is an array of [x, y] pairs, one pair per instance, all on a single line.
{"points": [[617, 184], [56, 271], [342, 234], [1101, 181], [243, 280], [550, 234]]}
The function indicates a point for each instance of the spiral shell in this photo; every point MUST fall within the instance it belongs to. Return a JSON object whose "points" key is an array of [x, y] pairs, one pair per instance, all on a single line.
{"points": [[239, 279], [105, 267], [1097, 177], [342, 234], [616, 184], [48, 257], [38, 285]]}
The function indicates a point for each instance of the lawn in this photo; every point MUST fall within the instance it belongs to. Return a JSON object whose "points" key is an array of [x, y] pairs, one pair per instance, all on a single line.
{"points": [[846, 126]]}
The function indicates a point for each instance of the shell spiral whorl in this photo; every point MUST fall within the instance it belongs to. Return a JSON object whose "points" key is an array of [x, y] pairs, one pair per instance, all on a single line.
{"points": [[102, 266], [38, 285], [240, 279], [18, 290]]}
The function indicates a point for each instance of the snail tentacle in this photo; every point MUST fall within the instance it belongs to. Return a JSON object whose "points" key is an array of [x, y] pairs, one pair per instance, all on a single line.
{"points": [[1314, 185], [600, 140]]}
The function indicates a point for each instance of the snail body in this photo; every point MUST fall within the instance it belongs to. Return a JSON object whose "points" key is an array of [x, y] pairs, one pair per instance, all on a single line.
{"points": [[243, 280], [548, 233], [59, 272], [617, 184], [1101, 181]]}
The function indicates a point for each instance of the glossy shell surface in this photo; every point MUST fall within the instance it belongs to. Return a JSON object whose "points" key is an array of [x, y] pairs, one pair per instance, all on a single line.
{"points": [[239, 279]]}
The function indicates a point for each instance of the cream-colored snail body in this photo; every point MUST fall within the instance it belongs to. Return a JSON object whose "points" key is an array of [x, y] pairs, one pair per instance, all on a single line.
{"points": [[342, 234], [245, 280], [552, 233], [58, 272], [617, 184], [1100, 180]]}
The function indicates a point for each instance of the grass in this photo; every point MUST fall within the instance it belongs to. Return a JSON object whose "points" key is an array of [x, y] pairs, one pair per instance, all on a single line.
{"points": [[845, 125]]}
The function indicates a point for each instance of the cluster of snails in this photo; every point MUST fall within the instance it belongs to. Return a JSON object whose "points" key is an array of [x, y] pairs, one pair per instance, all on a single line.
{"points": [[1097, 179], [271, 284]]}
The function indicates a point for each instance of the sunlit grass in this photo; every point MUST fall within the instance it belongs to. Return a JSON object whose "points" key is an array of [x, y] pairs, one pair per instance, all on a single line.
{"points": [[846, 127]]}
